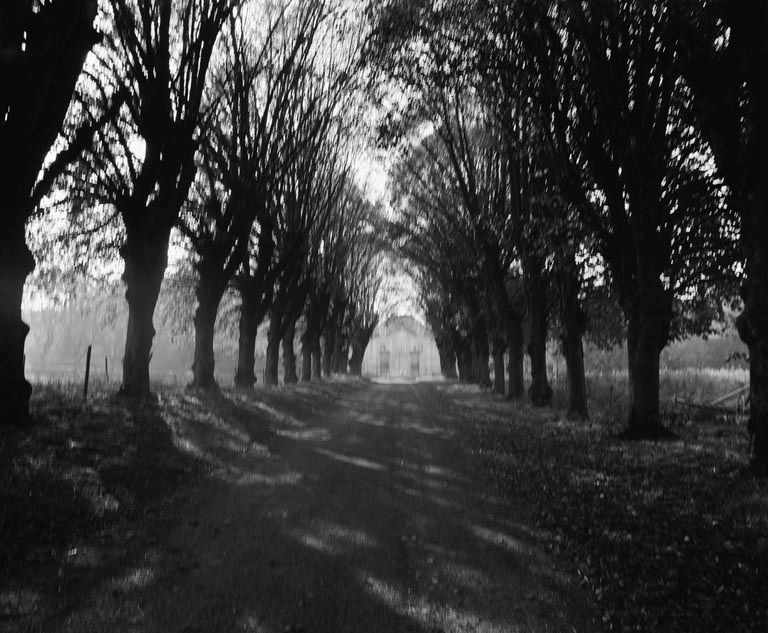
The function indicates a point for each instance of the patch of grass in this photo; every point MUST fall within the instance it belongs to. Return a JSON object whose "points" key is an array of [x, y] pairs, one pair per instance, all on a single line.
{"points": [[608, 394], [669, 536]]}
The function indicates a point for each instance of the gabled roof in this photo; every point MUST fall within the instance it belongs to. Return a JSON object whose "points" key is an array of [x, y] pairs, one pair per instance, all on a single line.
{"points": [[402, 323]]}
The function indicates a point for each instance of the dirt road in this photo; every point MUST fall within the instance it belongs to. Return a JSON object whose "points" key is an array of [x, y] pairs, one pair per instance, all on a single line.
{"points": [[363, 513]]}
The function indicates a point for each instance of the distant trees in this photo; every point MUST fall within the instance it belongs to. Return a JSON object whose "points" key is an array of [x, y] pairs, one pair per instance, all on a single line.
{"points": [[362, 283], [495, 192], [600, 155], [437, 234], [601, 83], [332, 276], [43, 46], [253, 98], [221, 119], [311, 193]]}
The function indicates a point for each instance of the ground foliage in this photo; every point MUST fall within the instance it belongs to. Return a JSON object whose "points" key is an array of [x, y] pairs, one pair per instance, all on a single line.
{"points": [[668, 536], [70, 487], [91, 487]]}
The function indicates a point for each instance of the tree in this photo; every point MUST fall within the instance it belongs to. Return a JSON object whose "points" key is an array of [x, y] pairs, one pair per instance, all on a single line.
{"points": [[602, 82], [310, 192], [256, 286], [43, 46], [323, 277], [329, 277], [491, 162], [154, 66], [724, 53], [365, 283], [438, 235], [254, 97], [439, 319], [299, 196]]}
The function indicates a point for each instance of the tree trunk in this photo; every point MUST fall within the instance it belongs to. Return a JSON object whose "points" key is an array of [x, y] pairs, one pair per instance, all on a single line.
{"points": [[289, 355], [540, 392], [464, 356], [516, 343], [360, 340], [340, 354], [317, 360], [438, 319], [342, 359], [274, 337], [38, 77], [447, 361], [205, 324], [732, 109], [245, 377], [356, 361], [482, 372], [647, 331], [574, 325], [329, 344], [752, 325], [16, 263], [306, 355], [311, 336], [358, 345], [758, 403], [499, 384], [573, 350], [146, 257]]}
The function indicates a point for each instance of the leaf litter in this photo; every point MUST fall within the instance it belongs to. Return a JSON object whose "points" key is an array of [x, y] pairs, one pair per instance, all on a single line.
{"points": [[667, 536]]}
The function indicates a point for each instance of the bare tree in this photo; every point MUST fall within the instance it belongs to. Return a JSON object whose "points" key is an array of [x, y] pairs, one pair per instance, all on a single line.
{"points": [[326, 274], [310, 190], [365, 283], [275, 281], [154, 66], [245, 152]]}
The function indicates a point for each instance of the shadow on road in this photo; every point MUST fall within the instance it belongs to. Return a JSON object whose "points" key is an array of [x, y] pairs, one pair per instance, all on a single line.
{"points": [[341, 507]]}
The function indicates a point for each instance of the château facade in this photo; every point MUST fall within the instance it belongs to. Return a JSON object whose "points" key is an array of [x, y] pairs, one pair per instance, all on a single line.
{"points": [[402, 347]]}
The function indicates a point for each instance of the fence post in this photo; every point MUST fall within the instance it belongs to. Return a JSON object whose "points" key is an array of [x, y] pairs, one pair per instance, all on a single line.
{"points": [[87, 373], [106, 368]]}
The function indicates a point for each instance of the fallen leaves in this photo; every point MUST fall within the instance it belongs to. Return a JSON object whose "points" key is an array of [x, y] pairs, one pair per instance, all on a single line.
{"points": [[669, 536], [77, 476]]}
